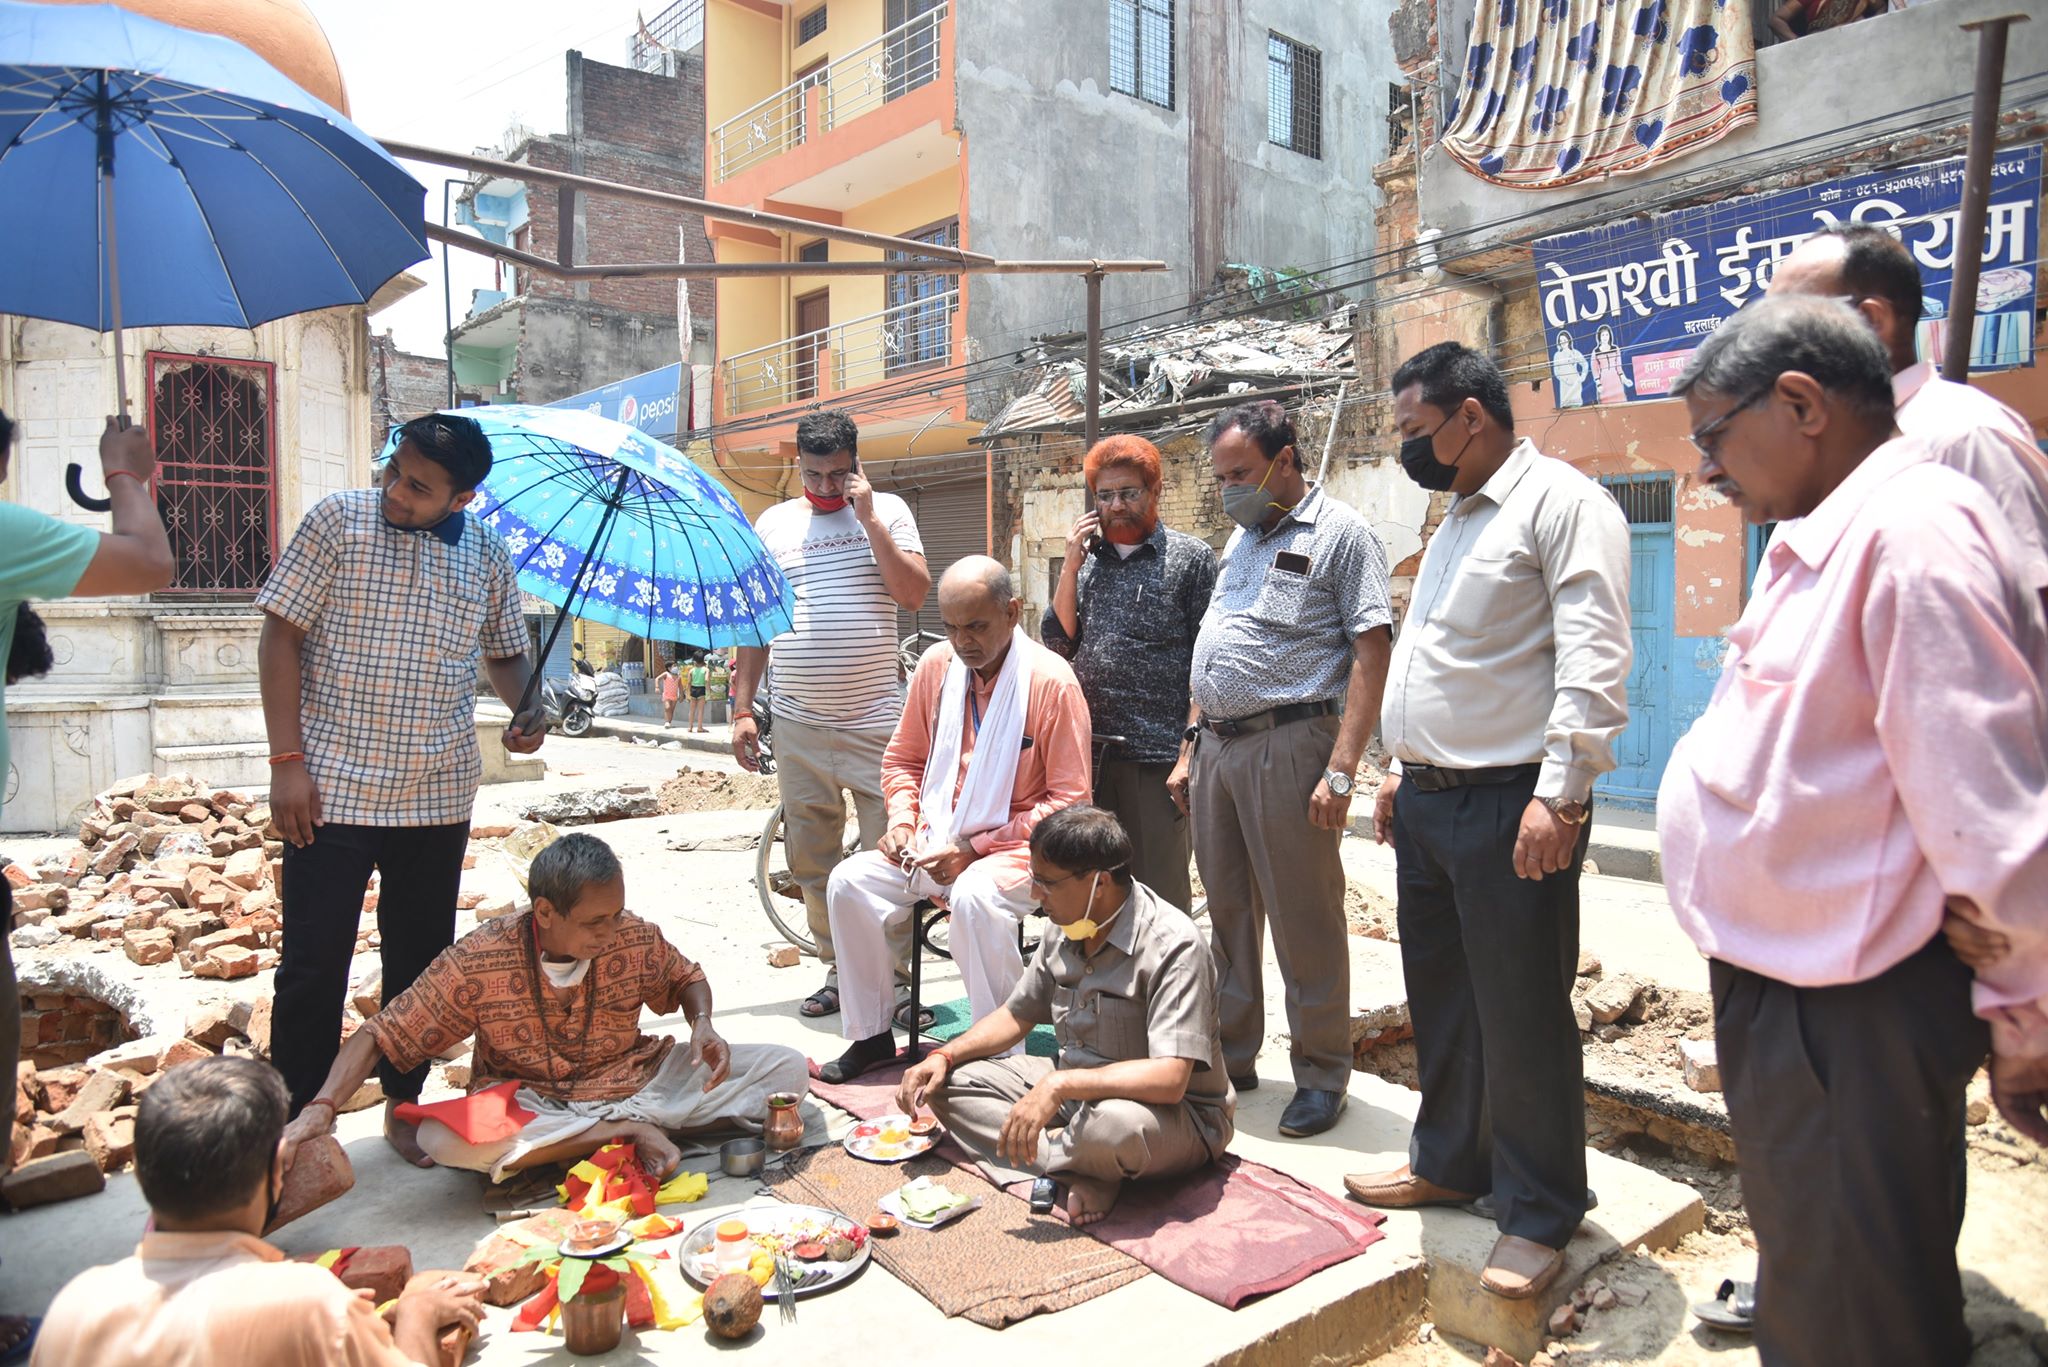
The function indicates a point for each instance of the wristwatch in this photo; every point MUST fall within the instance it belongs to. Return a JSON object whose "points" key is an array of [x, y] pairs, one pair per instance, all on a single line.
{"points": [[1340, 784], [1191, 735], [1569, 810]]}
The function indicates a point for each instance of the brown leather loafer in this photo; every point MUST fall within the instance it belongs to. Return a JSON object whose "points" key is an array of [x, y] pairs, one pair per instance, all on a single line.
{"points": [[1519, 1268], [1401, 1189]]}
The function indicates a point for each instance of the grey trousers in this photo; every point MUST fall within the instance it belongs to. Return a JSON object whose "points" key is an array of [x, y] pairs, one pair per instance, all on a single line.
{"points": [[1160, 845], [815, 766], [1110, 1140], [1847, 1108], [1262, 862]]}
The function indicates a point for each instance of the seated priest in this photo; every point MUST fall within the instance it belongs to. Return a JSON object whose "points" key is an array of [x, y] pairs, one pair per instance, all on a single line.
{"points": [[560, 1066], [994, 736], [1129, 988]]}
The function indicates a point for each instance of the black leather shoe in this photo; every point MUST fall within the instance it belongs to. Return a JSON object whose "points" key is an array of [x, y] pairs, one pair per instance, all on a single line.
{"points": [[1248, 1083], [865, 1054], [1311, 1112]]}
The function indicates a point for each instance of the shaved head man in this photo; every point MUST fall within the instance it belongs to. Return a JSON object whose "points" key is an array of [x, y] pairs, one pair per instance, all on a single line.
{"points": [[1961, 427], [994, 737]]}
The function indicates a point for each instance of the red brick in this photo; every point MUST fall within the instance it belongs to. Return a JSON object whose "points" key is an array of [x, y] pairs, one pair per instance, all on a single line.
{"points": [[18, 876], [60, 1177], [110, 1138], [219, 939], [149, 946], [183, 1051], [251, 1018], [212, 1024], [319, 1173]]}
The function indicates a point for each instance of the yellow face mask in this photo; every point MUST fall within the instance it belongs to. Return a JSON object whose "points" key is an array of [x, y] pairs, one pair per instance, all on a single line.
{"points": [[1087, 928]]}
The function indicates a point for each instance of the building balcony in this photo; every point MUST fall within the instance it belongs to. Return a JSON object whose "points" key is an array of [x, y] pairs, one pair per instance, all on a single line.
{"points": [[901, 62], [846, 356]]}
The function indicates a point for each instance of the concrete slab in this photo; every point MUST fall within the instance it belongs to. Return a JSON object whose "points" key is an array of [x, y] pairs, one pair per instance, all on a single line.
{"points": [[705, 901]]}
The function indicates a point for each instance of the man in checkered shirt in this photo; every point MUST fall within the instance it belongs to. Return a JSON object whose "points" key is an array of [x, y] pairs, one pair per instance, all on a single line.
{"points": [[374, 621]]}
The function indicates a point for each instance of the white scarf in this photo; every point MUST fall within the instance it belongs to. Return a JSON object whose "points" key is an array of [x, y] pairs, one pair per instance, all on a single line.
{"points": [[984, 801]]}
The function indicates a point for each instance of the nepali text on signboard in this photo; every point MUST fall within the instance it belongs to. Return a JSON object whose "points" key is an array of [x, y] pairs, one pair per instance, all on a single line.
{"points": [[1625, 305]]}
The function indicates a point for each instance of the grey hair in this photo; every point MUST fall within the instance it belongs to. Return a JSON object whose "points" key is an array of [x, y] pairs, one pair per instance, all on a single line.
{"points": [[1823, 338], [564, 869]]}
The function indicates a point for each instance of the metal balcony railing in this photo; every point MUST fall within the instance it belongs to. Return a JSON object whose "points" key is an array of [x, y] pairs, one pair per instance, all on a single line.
{"points": [[915, 333], [900, 61]]}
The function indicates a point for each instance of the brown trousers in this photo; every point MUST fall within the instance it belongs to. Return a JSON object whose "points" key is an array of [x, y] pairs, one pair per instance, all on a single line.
{"points": [[1110, 1140], [1262, 862], [815, 767]]}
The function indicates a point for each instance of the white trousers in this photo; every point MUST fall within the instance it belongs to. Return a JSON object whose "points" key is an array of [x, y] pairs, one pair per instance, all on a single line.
{"points": [[868, 895]]}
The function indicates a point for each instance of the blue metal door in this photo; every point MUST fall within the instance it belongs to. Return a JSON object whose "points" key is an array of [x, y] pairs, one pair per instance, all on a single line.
{"points": [[1644, 746]]}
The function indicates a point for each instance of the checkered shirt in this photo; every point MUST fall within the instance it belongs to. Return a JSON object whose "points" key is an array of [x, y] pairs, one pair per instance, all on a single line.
{"points": [[396, 622]]}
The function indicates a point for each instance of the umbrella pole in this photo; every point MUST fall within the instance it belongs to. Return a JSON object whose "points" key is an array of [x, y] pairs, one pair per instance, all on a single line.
{"points": [[611, 510], [104, 129]]}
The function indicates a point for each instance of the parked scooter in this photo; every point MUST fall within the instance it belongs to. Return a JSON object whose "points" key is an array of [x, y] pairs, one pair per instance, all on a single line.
{"points": [[572, 705]]}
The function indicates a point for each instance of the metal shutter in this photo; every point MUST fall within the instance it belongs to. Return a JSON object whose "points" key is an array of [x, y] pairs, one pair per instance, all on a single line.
{"points": [[951, 508]]}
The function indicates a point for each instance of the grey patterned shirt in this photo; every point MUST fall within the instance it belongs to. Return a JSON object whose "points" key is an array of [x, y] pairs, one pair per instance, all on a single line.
{"points": [[1138, 617], [1276, 635]]}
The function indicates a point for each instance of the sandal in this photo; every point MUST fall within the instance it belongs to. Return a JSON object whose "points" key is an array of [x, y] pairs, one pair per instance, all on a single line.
{"points": [[925, 1019], [27, 1326], [1733, 1309], [823, 1002]]}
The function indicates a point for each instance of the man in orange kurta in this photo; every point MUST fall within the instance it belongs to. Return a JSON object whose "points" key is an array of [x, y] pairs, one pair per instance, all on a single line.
{"points": [[994, 736]]}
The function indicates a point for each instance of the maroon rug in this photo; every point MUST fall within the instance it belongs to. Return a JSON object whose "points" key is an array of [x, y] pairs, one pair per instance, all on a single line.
{"points": [[1231, 1232]]}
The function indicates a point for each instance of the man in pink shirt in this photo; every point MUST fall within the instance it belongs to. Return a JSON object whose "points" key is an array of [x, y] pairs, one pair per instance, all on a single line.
{"points": [[1964, 428], [994, 737], [1878, 744]]}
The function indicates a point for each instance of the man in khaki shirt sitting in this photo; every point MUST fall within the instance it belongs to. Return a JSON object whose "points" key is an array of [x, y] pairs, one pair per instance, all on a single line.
{"points": [[202, 1289], [1140, 1089]]}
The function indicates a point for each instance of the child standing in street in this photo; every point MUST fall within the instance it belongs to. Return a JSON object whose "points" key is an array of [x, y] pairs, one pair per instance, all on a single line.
{"points": [[671, 692]]}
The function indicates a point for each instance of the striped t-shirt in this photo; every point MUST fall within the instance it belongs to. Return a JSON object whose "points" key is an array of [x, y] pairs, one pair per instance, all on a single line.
{"points": [[837, 665]]}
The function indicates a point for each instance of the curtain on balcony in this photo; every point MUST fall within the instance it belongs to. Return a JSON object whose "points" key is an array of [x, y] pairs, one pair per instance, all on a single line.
{"points": [[1556, 92]]}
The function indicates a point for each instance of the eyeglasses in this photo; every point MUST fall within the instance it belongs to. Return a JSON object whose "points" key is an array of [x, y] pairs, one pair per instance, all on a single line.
{"points": [[1048, 884], [1125, 497], [1700, 437]]}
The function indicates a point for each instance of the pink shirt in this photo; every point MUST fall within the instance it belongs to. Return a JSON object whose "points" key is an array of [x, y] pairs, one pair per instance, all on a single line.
{"points": [[1878, 739], [1970, 431]]}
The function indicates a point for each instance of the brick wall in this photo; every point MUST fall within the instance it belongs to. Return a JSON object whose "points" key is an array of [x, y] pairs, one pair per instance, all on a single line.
{"points": [[58, 1029], [402, 385]]}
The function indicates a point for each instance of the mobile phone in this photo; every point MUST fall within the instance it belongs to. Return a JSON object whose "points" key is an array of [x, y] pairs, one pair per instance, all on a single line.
{"points": [[1294, 562]]}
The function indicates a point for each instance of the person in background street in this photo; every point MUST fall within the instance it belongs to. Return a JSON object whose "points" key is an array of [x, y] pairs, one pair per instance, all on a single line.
{"points": [[994, 738], [1877, 746], [1965, 428], [853, 558], [1508, 687], [1128, 606], [543, 1015], [671, 692], [203, 1286], [375, 619], [700, 684], [1288, 668], [1138, 1092], [717, 683], [42, 557]]}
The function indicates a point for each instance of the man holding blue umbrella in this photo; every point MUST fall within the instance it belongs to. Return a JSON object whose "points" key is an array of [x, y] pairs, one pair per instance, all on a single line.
{"points": [[376, 617]]}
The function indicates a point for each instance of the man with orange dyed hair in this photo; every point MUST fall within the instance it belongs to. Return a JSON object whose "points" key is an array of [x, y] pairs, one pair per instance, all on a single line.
{"points": [[1125, 614]]}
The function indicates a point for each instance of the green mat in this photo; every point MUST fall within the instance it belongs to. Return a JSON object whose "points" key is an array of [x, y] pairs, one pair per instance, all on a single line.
{"points": [[951, 1019]]}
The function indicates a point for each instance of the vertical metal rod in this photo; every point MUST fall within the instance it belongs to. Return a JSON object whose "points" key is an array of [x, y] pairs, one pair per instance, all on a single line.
{"points": [[447, 298], [1969, 238], [1092, 428], [104, 132]]}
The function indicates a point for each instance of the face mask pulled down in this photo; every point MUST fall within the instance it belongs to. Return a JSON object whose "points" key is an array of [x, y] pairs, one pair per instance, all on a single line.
{"points": [[1418, 458], [1087, 928]]}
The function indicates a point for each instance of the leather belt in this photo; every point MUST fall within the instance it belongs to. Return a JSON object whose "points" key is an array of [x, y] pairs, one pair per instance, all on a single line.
{"points": [[1266, 721], [1431, 779]]}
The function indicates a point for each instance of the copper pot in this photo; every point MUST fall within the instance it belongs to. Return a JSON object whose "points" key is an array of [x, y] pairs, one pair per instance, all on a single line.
{"points": [[594, 1324], [785, 1125]]}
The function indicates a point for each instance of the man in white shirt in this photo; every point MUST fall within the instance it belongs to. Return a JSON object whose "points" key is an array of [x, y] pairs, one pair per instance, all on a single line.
{"points": [[1965, 428], [853, 557], [1507, 688]]}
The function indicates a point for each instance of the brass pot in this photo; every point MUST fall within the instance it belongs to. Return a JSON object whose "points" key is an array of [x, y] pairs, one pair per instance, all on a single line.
{"points": [[594, 1324], [784, 1128]]}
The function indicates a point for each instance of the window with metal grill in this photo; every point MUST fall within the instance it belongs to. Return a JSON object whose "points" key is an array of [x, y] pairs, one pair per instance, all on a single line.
{"points": [[819, 250], [1294, 95], [811, 25], [212, 425], [1141, 50], [1645, 499]]}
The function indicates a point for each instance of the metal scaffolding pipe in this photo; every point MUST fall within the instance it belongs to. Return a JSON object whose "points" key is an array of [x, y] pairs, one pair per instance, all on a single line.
{"points": [[1962, 293]]}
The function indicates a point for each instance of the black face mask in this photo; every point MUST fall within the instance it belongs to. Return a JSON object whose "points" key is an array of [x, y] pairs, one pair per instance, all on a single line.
{"points": [[1418, 458]]}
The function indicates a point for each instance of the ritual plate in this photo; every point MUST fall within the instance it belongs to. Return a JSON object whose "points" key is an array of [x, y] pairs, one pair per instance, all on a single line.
{"points": [[887, 1139], [770, 1226]]}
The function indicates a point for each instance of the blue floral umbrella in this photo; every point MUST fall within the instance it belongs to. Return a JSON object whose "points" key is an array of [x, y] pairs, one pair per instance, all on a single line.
{"points": [[610, 525]]}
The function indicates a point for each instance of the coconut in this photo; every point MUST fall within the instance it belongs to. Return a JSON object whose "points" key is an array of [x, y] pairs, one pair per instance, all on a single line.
{"points": [[732, 1306]]}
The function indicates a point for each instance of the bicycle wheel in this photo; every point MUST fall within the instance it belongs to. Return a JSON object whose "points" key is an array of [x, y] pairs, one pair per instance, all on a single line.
{"points": [[778, 888]]}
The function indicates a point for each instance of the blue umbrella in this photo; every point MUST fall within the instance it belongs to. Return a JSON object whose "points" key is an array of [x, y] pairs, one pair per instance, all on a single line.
{"points": [[610, 525], [246, 198]]}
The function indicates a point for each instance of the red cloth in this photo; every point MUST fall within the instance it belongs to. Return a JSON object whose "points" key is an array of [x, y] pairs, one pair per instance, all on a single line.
{"points": [[1232, 1231], [480, 1118]]}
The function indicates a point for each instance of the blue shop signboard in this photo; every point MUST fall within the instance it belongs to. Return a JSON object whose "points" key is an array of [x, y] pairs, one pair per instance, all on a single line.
{"points": [[650, 402], [1625, 305]]}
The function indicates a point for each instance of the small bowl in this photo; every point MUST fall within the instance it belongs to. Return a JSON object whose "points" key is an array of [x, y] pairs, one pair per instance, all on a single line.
{"points": [[585, 1236], [742, 1157], [924, 1124], [882, 1224]]}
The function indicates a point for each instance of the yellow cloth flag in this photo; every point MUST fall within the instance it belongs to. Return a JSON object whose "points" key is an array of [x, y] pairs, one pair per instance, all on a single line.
{"points": [[683, 1188]]}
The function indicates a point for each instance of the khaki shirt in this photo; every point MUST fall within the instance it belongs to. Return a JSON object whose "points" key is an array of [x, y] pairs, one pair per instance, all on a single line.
{"points": [[1149, 992], [212, 1300], [1516, 646]]}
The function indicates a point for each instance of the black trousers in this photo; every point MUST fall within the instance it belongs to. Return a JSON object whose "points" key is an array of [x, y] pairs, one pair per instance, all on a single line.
{"points": [[323, 892], [1846, 1105], [1489, 960]]}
